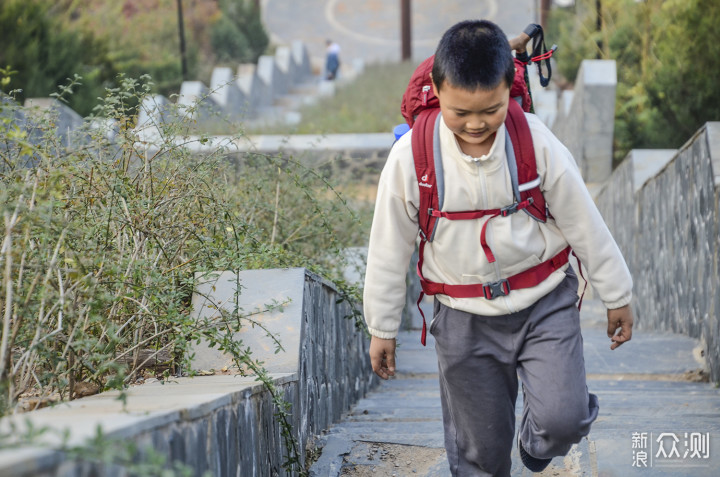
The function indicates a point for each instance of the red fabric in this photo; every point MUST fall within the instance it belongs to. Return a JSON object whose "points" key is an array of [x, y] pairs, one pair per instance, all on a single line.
{"points": [[519, 87], [412, 102], [525, 159], [422, 147]]}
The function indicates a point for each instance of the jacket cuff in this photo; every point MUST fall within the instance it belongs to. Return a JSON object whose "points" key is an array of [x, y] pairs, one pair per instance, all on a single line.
{"points": [[386, 335], [619, 303]]}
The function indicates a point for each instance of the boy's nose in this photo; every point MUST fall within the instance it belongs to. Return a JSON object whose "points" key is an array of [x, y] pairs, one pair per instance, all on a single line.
{"points": [[476, 123]]}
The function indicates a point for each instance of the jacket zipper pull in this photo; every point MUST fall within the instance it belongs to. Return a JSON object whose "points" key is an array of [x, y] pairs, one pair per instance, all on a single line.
{"points": [[425, 92]]}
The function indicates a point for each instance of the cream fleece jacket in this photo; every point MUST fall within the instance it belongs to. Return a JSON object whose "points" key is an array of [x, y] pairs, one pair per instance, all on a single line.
{"points": [[517, 241]]}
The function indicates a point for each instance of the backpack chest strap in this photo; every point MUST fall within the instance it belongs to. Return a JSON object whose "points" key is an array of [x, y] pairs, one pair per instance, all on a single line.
{"points": [[477, 214]]}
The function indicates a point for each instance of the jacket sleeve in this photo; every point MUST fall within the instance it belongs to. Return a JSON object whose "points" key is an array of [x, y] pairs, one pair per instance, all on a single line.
{"points": [[581, 223], [392, 242]]}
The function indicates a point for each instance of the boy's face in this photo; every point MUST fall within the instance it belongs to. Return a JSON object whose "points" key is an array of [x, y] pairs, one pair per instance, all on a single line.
{"points": [[473, 116]]}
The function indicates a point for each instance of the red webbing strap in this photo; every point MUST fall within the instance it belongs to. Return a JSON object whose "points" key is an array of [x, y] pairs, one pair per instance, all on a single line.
{"points": [[421, 249], [422, 147], [423, 334], [522, 142], [465, 214], [483, 238], [582, 295]]}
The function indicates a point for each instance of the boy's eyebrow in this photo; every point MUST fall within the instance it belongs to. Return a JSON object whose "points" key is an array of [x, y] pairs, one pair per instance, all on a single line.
{"points": [[460, 109]]}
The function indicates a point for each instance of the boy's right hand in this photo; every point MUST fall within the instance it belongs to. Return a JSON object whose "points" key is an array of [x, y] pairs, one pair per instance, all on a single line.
{"points": [[519, 43], [382, 356]]}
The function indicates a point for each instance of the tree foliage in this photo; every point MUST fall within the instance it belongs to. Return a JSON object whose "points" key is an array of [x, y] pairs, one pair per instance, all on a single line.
{"points": [[44, 54], [667, 58], [239, 34], [48, 41]]}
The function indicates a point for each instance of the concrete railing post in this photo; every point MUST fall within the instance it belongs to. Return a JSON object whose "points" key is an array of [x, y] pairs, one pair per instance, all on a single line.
{"points": [[587, 127]]}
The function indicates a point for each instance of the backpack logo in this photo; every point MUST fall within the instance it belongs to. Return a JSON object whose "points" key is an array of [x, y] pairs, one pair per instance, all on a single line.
{"points": [[423, 182]]}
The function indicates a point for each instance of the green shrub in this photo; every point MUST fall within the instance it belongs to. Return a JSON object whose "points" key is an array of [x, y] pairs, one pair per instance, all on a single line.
{"points": [[228, 42], [248, 39], [101, 244], [45, 54]]}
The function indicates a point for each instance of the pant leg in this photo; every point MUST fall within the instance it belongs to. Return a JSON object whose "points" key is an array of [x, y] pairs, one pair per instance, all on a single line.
{"points": [[478, 384], [558, 410]]}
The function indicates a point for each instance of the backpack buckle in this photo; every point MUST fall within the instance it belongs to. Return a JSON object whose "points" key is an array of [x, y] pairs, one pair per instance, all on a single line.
{"points": [[509, 210], [496, 289]]}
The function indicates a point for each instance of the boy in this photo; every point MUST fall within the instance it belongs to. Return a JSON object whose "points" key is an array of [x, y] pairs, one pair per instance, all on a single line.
{"points": [[483, 345]]}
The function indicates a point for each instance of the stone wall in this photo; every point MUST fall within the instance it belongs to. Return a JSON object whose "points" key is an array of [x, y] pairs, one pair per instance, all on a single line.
{"points": [[224, 424], [667, 225]]}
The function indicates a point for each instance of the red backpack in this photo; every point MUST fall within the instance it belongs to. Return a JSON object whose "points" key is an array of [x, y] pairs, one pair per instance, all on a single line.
{"points": [[420, 108]]}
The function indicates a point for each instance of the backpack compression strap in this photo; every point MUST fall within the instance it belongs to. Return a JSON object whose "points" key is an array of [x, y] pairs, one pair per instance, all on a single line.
{"points": [[423, 133], [528, 178]]}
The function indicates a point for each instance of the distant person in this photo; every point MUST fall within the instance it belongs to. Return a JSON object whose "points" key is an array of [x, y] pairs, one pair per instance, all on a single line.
{"points": [[505, 300], [332, 59]]}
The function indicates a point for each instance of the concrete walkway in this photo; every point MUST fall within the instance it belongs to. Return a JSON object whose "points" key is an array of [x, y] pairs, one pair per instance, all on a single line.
{"points": [[649, 401]]}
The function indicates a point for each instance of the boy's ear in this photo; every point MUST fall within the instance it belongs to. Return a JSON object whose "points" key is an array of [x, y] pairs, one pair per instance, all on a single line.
{"points": [[435, 90]]}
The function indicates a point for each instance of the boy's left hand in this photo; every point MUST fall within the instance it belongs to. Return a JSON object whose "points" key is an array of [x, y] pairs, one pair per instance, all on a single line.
{"points": [[622, 319]]}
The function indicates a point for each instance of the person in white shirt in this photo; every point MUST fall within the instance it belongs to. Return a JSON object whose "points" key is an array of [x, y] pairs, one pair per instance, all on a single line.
{"points": [[483, 344], [332, 59]]}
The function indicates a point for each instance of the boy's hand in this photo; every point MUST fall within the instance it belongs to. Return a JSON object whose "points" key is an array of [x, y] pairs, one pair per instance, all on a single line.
{"points": [[382, 356], [519, 43], [620, 318]]}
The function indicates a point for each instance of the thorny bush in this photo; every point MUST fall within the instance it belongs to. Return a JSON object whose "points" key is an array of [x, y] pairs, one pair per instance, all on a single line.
{"points": [[106, 230]]}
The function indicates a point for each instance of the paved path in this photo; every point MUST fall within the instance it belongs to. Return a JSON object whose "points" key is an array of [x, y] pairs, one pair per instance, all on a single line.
{"points": [[643, 388], [370, 29]]}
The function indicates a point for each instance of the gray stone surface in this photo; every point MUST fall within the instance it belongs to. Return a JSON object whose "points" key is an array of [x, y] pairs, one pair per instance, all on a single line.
{"points": [[227, 94], [713, 134], [198, 103], [154, 111], [668, 231], [647, 163], [286, 63], [275, 79], [261, 292], [381, 142], [302, 61], [154, 114], [255, 90]]}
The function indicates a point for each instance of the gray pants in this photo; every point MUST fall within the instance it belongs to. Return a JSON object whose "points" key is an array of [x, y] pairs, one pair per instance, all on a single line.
{"points": [[480, 359]]}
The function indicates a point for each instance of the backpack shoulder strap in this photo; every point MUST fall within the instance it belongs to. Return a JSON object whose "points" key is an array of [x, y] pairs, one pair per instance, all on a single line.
{"points": [[423, 143], [528, 179]]}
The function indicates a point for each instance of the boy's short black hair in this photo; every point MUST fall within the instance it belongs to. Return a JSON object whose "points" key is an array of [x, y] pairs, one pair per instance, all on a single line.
{"points": [[473, 54]]}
